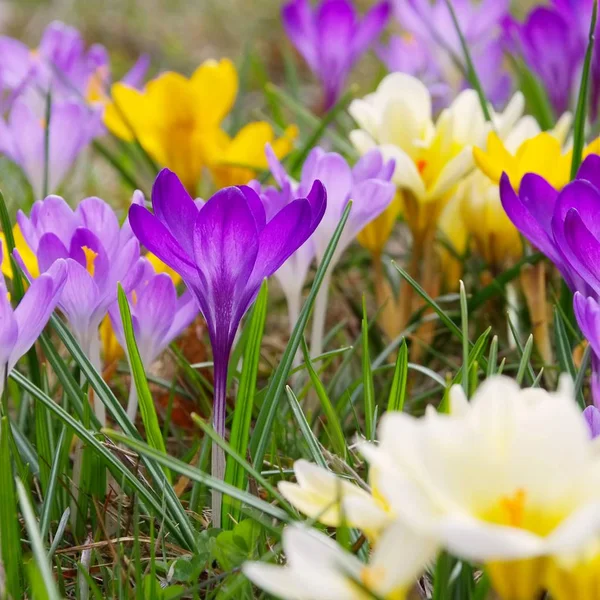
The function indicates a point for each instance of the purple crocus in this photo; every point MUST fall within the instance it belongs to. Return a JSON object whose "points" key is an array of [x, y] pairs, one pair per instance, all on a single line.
{"points": [[19, 328], [223, 249], [587, 313], [158, 316], [592, 418], [367, 185], [101, 254], [332, 38], [23, 140], [431, 25], [553, 41]]}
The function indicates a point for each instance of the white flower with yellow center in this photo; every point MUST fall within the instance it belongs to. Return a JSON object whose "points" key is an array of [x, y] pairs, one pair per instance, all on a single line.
{"points": [[333, 501], [510, 479], [319, 569]]}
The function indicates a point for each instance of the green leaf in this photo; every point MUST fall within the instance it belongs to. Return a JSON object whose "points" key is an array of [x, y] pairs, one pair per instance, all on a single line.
{"points": [[242, 414], [564, 354], [146, 402], [464, 319], [10, 542], [524, 363], [368, 385], [582, 99], [398, 389], [332, 424], [37, 545], [264, 423], [195, 474]]}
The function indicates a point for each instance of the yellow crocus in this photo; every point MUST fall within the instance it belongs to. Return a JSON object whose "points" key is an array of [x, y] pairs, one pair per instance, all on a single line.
{"points": [[26, 254], [235, 160], [177, 121]]}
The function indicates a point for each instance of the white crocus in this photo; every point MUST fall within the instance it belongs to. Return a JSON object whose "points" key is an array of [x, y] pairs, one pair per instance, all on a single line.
{"points": [[319, 569], [333, 501], [510, 479]]}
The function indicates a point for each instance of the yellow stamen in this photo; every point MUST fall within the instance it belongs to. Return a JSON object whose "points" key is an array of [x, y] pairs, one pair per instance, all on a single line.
{"points": [[90, 258], [515, 507]]}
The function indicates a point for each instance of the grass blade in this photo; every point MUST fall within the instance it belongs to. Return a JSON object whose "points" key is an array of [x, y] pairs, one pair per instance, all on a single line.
{"points": [[582, 99], [368, 386], [565, 354], [398, 389]]}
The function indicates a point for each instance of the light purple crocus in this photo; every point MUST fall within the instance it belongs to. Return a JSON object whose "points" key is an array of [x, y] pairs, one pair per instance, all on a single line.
{"points": [[223, 249], [61, 63], [553, 41], [158, 317], [587, 313], [431, 25], [19, 328], [331, 38], [23, 140], [367, 184], [101, 254]]}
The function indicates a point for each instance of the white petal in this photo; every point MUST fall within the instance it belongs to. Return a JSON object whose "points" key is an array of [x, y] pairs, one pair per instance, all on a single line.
{"points": [[362, 141]]}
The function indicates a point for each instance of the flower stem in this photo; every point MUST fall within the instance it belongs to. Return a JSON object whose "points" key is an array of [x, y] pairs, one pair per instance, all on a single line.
{"points": [[294, 301], [319, 315], [93, 353], [219, 413]]}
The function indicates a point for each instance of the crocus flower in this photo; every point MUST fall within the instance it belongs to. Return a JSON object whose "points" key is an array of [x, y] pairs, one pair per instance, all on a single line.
{"points": [[61, 63], [553, 41], [431, 25], [23, 140], [319, 569], [514, 485], [19, 328], [367, 184], [587, 313], [223, 249], [101, 255], [331, 38], [177, 121], [158, 316], [321, 495]]}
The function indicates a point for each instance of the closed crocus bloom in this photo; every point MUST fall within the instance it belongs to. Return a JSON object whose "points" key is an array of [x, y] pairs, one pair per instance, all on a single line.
{"points": [[223, 249], [333, 501], [23, 140], [515, 481], [319, 569], [332, 38], [101, 254]]}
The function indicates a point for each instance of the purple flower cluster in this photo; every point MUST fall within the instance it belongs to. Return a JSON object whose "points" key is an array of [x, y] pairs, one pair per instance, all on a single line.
{"points": [[75, 80]]}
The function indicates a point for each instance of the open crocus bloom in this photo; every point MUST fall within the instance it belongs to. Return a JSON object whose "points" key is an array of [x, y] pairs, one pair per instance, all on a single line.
{"points": [[431, 158], [178, 122], [319, 569], [19, 328], [101, 254], [333, 501], [510, 479]]}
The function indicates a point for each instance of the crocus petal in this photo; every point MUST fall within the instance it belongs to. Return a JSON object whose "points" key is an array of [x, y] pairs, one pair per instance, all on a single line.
{"points": [[255, 205], [592, 417], [590, 170], [587, 313], [135, 76], [97, 216], [187, 311], [175, 208], [299, 26], [35, 308], [370, 28], [584, 247], [9, 331], [159, 240], [50, 249]]}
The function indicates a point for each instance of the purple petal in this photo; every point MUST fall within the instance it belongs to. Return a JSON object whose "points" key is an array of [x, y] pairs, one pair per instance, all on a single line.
{"points": [[584, 248], [368, 166], [97, 216], [16, 62], [35, 309], [255, 205], [298, 21], [187, 311], [317, 198], [84, 238], [50, 250], [158, 239], [226, 246], [9, 331], [135, 76], [590, 170], [370, 29], [277, 171], [155, 309], [175, 208], [587, 312], [369, 199], [592, 418], [539, 197]]}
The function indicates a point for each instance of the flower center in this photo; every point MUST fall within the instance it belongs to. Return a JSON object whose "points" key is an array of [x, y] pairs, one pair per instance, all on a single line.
{"points": [[90, 260], [514, 507]]}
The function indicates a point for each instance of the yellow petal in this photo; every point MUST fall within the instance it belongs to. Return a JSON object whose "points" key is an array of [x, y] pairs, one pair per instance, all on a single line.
{"points": [[495, 160], [28, 257], [111, 348], [375, 235], [216, 86], [160, 267]]}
